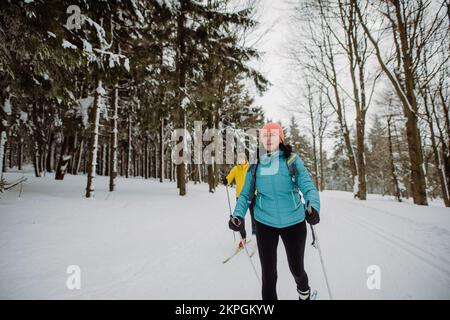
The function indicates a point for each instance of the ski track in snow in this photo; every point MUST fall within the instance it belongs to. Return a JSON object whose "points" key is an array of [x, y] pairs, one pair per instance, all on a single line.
{"points": [[441, 264], [410, 247], [145, 242]]}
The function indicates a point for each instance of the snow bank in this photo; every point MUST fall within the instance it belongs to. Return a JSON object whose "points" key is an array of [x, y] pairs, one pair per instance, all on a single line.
{"points": [[146, 242], [66, 44]]}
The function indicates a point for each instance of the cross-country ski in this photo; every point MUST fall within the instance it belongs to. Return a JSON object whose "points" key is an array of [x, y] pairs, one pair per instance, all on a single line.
{"points": [[239, 248]]}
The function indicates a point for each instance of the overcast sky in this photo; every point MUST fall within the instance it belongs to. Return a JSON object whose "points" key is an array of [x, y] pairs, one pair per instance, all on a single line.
{"points": [[273, 16]]}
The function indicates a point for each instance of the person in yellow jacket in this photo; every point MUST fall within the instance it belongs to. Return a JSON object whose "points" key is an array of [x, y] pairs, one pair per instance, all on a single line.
{"points": [[237, 174]]}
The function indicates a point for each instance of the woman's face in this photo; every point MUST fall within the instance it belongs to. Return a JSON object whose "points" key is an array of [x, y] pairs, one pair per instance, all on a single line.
{"points": [[270, 140]]}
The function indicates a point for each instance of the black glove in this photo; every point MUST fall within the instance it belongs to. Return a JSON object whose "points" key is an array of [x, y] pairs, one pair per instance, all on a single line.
{"points": [[236, 223], [312, 216], [225, 181]]}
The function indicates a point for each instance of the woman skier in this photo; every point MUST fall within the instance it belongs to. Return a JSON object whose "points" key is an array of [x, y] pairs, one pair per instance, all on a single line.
{"points": [[279, 211]]}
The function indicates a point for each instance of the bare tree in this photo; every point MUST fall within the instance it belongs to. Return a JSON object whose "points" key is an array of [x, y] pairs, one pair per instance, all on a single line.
{"points": [[401, 66], [355, 46], [333, 31], [315, 109]]}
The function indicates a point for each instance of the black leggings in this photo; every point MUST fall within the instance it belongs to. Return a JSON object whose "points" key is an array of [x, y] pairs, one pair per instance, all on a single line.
{"points": [[294, 238]]}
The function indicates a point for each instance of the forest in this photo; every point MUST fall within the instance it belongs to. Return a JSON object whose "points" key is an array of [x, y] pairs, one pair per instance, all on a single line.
{"points": [[96, 88]]}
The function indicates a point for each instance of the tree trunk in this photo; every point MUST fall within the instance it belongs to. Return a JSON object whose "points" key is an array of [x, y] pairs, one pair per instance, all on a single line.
{"points": [[211, 178], [181, 65], [313, 134], [156, 158], [104, 158], [85, 156], [5, 154], [37, 163], [391, 162], [2, 151], [73, 149], [322, 178], [99, 158], [114, 140], [133, 161], [20, 154], [43, 159], [48, 162], [64, 157], [360, 155], [150, 158], [418, 185], [355, 61], [339, 108], [94, 120], [161, 151], [79, 155], [142, 165], [122, 160], [172, 178], [146, 156], [129, 147], [11, 155]]}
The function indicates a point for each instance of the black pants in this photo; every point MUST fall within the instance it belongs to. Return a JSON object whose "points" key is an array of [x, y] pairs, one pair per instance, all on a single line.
{"points": [[252, 215], [294, 238]]}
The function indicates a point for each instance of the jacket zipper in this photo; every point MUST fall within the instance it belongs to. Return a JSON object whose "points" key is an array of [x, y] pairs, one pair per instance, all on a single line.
{"points": [[274, 195]]}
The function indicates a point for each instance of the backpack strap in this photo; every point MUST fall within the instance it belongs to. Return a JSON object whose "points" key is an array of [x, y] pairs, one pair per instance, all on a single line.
{"points": [[251, 193], [292, 168]]}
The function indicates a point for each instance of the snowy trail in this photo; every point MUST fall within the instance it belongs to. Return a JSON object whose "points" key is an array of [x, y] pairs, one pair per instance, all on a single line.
{"points": [[411, 252], [146, 242], [440, 263], [421, 252]]}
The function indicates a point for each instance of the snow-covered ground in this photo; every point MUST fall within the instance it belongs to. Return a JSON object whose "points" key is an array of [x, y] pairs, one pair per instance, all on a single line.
{"points": [[146, 242]]}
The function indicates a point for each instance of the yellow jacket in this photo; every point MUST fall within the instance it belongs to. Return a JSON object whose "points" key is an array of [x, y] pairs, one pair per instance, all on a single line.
{"points": [[238, 174]]}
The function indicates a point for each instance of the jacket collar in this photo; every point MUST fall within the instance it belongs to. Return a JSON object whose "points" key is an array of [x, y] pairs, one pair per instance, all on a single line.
{"points": [[243, 166], [265, 158]]}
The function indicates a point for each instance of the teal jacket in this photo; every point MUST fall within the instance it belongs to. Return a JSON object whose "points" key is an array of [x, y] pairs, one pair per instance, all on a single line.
{"points": [[278, 202]]}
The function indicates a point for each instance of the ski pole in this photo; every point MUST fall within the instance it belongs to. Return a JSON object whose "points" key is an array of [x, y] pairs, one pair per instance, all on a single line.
{"points": [[229, 207], [316, 245], [251, 262], [244, 244]]}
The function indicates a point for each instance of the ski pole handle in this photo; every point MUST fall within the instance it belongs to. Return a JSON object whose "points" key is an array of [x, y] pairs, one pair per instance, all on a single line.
{"points": [[308, 207]]}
